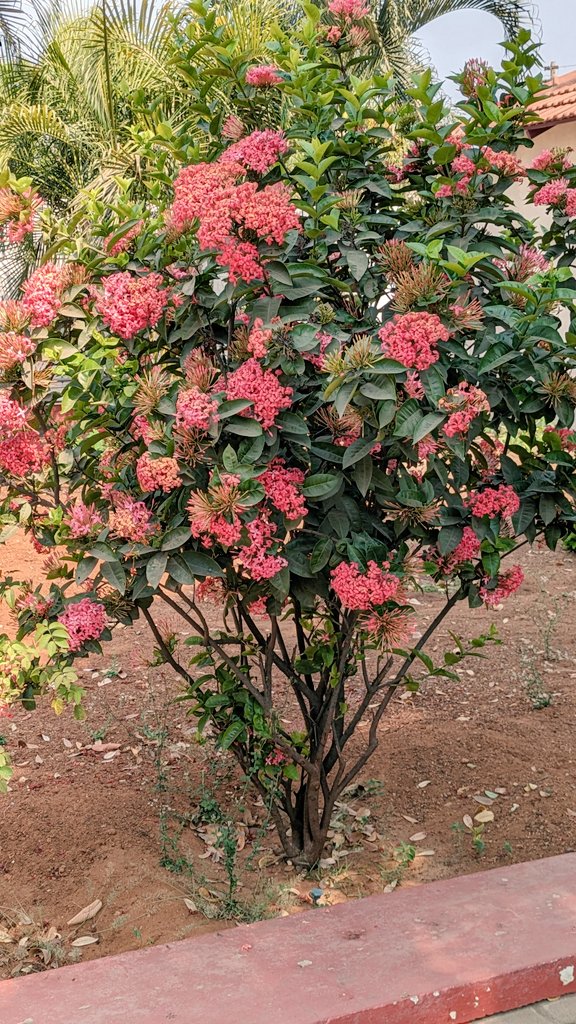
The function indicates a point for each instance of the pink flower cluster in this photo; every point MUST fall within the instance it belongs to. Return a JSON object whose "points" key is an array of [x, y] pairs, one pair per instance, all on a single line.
{"points": [[506, 584], [494, 501], [413, 385], [129, 304], [262, 387], [125, 241], [282, 488], [567, 437], [18, 213], [157, 474], [465, 403], [196, 410], [130, 519], [504, 163], [83, 520], [557, 194], [259, 339], [466, 551], [42, 293], [412, 339], [255, 557], [12, 416], [226, 207], [261, 75], [349, 10], [15, 349], [141, 429], [258, 151], [550, 160], [359, 591], [23, 453], [474, 76], [84, 620], [521, 265]]}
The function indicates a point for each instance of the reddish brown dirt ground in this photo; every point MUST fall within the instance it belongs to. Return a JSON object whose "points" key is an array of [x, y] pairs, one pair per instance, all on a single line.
{"points": [[82, 824]]}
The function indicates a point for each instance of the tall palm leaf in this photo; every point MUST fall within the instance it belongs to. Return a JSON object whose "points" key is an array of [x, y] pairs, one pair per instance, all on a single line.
{"points": [[399, 21]]}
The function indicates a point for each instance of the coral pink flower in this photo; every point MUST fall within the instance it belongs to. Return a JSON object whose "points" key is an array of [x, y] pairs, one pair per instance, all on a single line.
{"points": [[552, 193], [84, 520], [465, 402], [390, 628], [255, 557], [506, 584], [12, 416], [196, 410], [130, 519], [42, 294], [157, 474], [262, 387], [494, 501], [334, 35], [466, 551], [258, 151], [84, 620], [349, 10], [361, 592], [15, 349], [261, 75], [567, 437], [281, 486], [233, 128], [474, 76], [504, 163], [412, 339], [413, 386], [259, 339], [125, 242], [426, 447], [463, 165], [130, 304], [551, 159]]}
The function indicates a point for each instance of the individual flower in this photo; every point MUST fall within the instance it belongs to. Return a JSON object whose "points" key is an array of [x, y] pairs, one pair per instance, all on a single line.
{"points": [[83, 520], [390, 628], [195, 409], [359, 591], [494, 501], [282, 487], [506, 584], [130, 519], [157, 474], [259, 339], [412, 339], [268, 397], [84, 620], [261, 75], [130, 304]]}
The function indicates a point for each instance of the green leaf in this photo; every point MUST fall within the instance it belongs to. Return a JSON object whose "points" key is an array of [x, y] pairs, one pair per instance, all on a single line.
{"points": [[385, 390], [244, 426], [175, 538], [357, 263], [85, 566], [115, 574], [449, 538], [201, 564], [363, 474], [491, 562], [321, 554], [103, 552], [155, 568], [356, 451], [231, 734], [321, 485], [226, 409], [427, 425]]}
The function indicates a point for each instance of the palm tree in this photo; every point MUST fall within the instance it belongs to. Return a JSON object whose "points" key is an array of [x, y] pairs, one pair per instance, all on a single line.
{"points": [[399, 21]]}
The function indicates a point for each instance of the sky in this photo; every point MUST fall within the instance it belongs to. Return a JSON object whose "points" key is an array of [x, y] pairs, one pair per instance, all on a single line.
{"points": [[452, 39]]}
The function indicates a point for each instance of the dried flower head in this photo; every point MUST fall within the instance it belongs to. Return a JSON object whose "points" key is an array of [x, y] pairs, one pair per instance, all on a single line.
{"points": [[424, 283]]}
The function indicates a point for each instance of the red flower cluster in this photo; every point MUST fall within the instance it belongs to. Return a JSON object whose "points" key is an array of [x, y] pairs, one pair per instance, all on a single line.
{"points": [[467, 550], [259, 339], [129, 304], [361, 592], [262, 387], [494, 501], [255, 557], [24, 453], [557, 194], [261, 75], [282, 487], [412, 339], [258, 151], [227, 207], [506, 584], [465, 403], [84, 620], [157, 474], [42, 293], [195, 410]]}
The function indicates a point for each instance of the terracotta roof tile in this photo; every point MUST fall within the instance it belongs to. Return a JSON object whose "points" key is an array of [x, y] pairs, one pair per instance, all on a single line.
{"points": [[558, 101]]}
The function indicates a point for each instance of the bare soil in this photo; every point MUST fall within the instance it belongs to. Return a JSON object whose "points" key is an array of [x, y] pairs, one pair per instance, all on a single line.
{"points": [[129, 809]]}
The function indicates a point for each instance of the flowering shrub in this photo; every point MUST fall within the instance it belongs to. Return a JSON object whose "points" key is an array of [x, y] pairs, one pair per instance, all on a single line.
{"points": [[304, 384]]}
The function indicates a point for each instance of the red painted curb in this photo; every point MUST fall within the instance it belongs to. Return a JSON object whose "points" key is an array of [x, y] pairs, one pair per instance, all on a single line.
{"points": [[438, 953]]}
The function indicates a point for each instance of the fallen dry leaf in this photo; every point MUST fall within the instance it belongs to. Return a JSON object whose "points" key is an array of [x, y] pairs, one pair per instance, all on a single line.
{"points": [[486, 801], [191, 906], [484, 816], [424, 783], [407, 817], [87, 913], [417, 837], [85, 940], [67, 743], [5, 936], [468, 821]]}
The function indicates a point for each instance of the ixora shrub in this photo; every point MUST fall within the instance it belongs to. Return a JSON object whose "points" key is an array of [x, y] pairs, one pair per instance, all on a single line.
{"points": [[323, 366]]}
